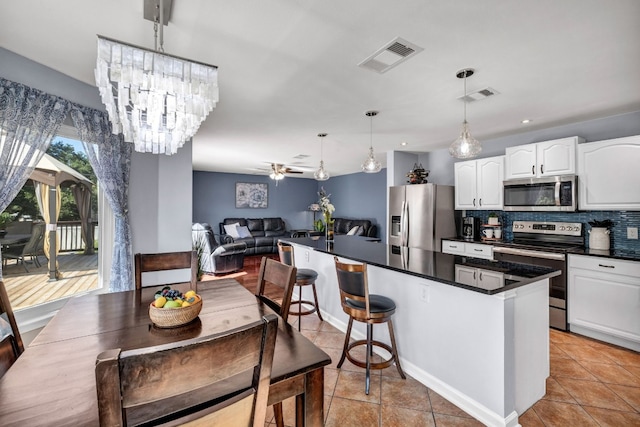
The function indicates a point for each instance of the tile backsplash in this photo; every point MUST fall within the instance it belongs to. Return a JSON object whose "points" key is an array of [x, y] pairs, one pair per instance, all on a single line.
{"points": [[621, 220]]}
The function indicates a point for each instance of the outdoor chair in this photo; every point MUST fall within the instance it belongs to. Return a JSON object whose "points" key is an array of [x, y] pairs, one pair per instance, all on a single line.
{"points": [[225, 382]]}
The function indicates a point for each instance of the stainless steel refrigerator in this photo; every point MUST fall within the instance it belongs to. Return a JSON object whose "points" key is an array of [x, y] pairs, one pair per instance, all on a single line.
{"points": [[420, 215]]}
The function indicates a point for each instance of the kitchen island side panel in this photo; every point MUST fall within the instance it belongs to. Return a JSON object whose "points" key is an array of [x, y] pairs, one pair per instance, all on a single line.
{"points": [[488, 354]]}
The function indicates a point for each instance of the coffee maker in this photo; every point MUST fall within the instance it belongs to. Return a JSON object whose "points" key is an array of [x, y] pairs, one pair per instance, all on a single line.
{"points": [[470, 229]]}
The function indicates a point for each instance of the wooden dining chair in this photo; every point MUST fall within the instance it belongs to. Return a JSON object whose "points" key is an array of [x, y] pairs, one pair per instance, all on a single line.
{"points": [[166, 261], [11, 346], [215, 380], [282, 275], [370, 309]]}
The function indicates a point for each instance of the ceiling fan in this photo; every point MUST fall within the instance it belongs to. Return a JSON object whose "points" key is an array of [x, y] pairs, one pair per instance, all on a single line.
{"points": [[278, 171]]}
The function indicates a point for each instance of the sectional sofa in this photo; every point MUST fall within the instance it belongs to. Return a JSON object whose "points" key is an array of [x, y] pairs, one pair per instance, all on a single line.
{"points": [[259, 234]]}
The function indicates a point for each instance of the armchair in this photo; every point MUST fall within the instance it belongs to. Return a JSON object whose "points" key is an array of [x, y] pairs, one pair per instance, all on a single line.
{"points": [[217, 258]]}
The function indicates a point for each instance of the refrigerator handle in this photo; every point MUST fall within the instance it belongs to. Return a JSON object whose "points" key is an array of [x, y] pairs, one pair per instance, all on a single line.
{"points": [[405, 224]]}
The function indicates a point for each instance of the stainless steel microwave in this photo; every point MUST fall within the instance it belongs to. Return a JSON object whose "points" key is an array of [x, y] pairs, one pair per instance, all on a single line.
{"points": [[554, 193]]}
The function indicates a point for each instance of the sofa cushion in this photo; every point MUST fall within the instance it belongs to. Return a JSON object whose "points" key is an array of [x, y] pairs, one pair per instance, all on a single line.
{"points": [[232, 230], [274, 224], [243, 231]]}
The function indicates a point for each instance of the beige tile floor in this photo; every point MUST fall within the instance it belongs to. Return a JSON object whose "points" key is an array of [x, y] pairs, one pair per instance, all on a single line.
{"points": [[591, 384]]}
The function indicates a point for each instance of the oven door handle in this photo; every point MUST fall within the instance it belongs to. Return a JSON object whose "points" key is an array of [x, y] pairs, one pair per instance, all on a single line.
{"points": [[530, 253]]}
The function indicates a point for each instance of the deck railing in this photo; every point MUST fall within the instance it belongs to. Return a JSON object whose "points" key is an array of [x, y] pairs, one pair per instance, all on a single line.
{"points": [[71, 235]]}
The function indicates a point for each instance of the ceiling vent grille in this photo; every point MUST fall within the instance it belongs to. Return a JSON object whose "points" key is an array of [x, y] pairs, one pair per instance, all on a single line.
{"points": [[479, 95], [390, 55]]}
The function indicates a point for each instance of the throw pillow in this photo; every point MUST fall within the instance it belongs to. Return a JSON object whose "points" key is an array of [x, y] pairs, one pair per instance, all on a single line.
{"points": [[353, 231], [232, 230], [243, 231]]}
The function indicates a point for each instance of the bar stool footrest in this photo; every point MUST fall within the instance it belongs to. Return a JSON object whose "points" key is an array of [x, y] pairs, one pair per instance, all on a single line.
{"points": [[372, 365], [303, 312]]}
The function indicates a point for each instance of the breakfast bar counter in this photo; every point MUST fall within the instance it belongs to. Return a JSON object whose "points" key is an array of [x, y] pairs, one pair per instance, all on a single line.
{"points": [[474, 331]]}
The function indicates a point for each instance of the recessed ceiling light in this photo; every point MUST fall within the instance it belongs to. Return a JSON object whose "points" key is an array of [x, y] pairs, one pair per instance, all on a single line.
{"points": [[525, 121], [403, 143]]}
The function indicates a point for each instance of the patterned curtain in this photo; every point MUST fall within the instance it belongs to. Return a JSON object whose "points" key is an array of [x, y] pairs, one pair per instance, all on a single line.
{"points": [[29, 119], [110, 158]]}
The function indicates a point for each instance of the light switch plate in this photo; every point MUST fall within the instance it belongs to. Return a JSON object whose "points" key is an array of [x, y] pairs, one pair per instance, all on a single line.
{"points": [[632, 232]]}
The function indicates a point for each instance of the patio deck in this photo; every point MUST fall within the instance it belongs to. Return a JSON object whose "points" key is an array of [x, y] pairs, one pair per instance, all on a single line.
{"points": [[80, 274]]}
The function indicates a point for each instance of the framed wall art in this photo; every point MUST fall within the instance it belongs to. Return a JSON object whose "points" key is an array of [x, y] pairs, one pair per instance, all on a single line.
{"points": [[252, 195]]}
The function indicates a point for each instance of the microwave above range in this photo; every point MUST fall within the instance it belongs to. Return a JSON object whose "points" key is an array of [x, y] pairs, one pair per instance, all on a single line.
{"points": [[555, 193]]}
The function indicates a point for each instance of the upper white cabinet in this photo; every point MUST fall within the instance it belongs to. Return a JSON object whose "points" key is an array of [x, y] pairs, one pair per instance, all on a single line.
{"points": [[479, 183], [556, 157], [608, 174]]}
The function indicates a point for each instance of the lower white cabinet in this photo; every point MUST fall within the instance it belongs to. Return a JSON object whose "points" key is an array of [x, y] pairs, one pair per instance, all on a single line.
{"points": [[485, 279], [475, 250], [604, 299]]}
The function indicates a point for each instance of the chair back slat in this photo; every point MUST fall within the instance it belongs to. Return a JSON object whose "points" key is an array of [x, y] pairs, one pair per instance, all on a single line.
{"points": [[166, 261], [279, 274], [175, 383]]}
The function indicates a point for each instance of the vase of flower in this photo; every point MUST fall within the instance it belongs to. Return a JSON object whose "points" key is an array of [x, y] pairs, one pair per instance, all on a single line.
{"points": [[327, 209], [328, 230]]}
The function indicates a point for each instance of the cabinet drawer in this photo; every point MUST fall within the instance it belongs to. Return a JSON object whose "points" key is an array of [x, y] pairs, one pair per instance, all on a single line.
{"points": [[452, 247], [605, 265], [479, 251]]}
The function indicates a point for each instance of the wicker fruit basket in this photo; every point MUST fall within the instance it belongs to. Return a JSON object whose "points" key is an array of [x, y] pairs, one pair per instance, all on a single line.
{"points": [[174, 317]]}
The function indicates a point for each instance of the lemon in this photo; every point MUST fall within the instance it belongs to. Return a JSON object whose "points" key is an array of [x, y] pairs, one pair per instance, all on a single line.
{"points": [[173, 304], [190, 294], [186, 303], [160, 302]]}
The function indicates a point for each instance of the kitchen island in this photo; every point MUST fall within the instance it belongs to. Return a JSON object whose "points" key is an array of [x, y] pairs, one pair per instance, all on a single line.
{"points": [[474, 331]]}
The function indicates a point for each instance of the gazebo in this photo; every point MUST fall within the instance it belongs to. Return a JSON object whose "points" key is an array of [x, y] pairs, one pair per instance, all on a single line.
{"points": [[49, 176]]}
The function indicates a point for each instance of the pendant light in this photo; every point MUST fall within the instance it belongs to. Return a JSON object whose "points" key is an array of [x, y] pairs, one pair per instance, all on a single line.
{"points": [[371, 165], [321, 174], [466, 146]]}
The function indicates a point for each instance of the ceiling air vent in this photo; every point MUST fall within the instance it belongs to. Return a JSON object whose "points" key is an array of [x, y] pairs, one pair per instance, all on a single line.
{"points": [[388, 56], [479, 95]]}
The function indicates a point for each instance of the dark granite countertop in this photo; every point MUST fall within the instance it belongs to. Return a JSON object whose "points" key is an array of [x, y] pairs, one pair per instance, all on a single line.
{"points": [[622, 254], [430, 265]]}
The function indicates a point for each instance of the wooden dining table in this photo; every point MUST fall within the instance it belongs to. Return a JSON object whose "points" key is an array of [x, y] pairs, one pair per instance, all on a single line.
{"points": [[53, 382]]}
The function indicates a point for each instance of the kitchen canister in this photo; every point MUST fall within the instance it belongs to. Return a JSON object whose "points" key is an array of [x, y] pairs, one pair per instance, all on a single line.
{"points": [[599, 238]]}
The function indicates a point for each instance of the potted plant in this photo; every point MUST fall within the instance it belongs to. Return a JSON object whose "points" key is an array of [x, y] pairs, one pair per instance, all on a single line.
{"points": [[493, 218], [5, 219]]}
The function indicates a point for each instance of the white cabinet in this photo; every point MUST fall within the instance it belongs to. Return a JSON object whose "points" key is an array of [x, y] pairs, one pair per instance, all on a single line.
{"points": [[548, 158], [604, 299], [480, 277], [608, 174], [474, 250], [479, 184]]}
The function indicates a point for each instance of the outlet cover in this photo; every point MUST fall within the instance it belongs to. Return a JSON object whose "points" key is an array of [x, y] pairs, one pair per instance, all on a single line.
{"points": [[632, 232]]}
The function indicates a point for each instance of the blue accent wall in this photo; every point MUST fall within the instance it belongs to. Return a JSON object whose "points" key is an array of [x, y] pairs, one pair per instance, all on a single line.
{"points": [[621, 220], [214, 199], [359, 196]]}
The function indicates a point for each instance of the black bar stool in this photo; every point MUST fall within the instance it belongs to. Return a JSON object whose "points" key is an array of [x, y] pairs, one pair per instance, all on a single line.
{"points": [[304, 277], [367, 308]]}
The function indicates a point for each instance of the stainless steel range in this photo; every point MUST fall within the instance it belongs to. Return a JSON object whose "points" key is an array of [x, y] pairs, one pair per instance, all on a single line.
{"points": [[545, 244]]}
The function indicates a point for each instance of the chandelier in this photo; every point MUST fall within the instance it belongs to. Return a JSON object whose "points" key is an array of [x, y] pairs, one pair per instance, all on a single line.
{"points": [[371, 165], [465, 146], [321, 174], [157, 101]]}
